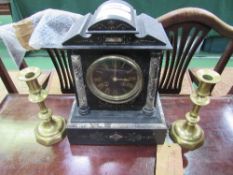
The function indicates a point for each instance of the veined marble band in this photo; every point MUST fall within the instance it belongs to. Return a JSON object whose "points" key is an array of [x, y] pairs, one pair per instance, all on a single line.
{"points": [[149, 107], [80, 87]]}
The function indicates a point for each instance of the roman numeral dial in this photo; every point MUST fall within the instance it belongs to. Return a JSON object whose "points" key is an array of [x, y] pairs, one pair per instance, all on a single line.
{"points": [[114, 78]]}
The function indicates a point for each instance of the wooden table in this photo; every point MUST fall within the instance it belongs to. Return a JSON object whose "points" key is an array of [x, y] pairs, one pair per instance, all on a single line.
{"points": [[21, 155]]}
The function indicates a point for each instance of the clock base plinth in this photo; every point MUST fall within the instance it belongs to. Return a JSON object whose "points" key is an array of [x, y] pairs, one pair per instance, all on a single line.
{"points": [[102, 127]]}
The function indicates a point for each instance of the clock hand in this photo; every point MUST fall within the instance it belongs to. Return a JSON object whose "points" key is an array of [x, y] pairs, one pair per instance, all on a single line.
{"points": [[123, 79], [115, 68]]}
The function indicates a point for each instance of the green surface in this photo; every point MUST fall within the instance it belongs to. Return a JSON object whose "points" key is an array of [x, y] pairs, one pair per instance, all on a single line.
{"points": [[5, 19], [42, 62], [155, 8], [206, 62]]}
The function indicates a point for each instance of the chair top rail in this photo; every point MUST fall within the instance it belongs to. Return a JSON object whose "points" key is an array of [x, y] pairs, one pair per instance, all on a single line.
{"points": [[198, 15]]}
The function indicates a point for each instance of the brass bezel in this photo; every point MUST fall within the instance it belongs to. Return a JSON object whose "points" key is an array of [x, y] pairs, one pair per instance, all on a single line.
{"points": [[110, 98]]}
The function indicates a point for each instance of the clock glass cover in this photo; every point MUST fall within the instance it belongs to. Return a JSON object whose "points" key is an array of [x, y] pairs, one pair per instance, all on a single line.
{"points": [[114, 78]]}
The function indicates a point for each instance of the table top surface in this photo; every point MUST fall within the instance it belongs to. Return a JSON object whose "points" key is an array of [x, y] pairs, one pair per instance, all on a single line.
{"points": [[20, 154]]}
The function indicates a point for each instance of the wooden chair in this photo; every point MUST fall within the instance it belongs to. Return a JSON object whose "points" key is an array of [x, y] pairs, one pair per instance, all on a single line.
{"points": [[7, 81], [5, 8], [186, 29], [59, 58], [6, 77]]}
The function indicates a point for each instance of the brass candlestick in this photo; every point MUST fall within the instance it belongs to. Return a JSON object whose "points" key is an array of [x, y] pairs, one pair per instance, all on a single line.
{"points": [[51, 129], [188, 133]]}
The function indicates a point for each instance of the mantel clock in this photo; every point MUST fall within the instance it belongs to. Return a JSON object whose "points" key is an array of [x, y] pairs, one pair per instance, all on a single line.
{"points": [[115, 59]]}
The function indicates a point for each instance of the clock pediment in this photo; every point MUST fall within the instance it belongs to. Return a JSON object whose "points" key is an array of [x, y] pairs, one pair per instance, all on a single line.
{"points": [[116, 24], [113, 16]]}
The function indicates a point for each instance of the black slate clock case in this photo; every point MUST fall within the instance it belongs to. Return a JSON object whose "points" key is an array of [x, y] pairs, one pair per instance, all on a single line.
{"points": [[137, 37]]}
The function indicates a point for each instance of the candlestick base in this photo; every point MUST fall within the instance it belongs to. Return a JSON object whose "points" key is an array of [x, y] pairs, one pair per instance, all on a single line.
{"points": [[49, 133], [188, 136]]}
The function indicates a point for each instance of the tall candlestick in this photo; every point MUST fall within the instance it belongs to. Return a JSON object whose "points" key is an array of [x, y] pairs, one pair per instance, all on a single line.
{"points": [[51, 128], [188, 133]]}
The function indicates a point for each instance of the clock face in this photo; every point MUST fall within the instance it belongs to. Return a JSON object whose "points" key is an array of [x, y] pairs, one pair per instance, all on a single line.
{"points": [[114, 79]]}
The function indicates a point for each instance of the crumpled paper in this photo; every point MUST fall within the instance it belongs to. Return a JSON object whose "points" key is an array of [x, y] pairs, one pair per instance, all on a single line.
{"points": [[45, 29]]}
